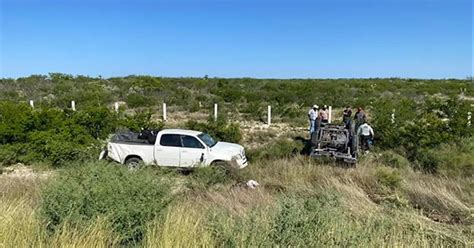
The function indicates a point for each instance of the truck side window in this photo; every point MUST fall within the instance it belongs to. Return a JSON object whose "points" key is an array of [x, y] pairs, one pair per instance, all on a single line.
{"points": [[170, 140], [191, 142]]}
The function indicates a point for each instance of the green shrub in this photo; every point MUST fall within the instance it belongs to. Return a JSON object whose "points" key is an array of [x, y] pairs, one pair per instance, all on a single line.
{"points": [[299, 217], [221, 129], [135, 100], [14, 120], [281, 148], [388, 177], [10, 154], [204, 177], [141, 119], [454, 159], [58, 136], [394, 159], [98, 121], [128, 200]]}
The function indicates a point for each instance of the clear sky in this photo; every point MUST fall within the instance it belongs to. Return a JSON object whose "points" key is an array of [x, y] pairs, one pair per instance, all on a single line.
{"points": [[238, 38]]}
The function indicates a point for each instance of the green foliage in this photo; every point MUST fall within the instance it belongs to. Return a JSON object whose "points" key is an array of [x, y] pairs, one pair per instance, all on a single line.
{"points": [[394, 159], [428, 113], [58, 136], [202, 178], [454, 159], [135, 100], [222, 129], [281, 148], [11, 154], [128, 200], [420, 127], [141, 119], [388, 177], [298, 218]]}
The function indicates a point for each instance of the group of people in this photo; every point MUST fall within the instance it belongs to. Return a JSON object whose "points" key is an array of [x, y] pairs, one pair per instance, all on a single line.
{"points": [[319, 118]]}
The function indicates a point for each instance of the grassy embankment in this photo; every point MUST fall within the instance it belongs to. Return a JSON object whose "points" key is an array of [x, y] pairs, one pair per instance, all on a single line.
{"points": [[300, 203]]}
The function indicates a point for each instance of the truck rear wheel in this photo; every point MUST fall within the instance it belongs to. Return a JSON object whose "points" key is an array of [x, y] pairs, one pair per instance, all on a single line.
{"points": [[133, 163]]}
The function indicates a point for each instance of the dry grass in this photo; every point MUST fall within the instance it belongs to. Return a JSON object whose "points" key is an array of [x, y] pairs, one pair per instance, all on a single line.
{"points": [[183, 226], [419, 210]]}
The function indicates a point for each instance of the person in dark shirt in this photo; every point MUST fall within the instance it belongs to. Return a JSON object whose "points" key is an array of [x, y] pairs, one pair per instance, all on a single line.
{"points": [[346, 116], [359, 118]]}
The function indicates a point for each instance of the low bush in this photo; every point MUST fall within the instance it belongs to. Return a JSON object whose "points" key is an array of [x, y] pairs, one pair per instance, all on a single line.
{"points": [[281, 148], [140, 120], [394, 159], [58, 136], [388, 177], [455, 159], [128, 200], [203, 178], [135, 100], [298, 218], [222, 129]]}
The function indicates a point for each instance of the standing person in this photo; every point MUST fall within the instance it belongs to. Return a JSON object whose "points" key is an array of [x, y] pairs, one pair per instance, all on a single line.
{"points": [[312, 116], [359, 118], [324, 115], [346, 117], [366, 134]]}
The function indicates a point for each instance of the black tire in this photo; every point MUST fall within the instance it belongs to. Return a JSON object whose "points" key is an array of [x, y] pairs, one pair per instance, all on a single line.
{"points": [[221, 164], [224, 166], [133, 163]]}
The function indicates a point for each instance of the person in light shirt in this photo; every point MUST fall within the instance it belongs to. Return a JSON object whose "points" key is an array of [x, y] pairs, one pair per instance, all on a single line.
{"points": [[366, 134], [313, 116], [324, 115]]}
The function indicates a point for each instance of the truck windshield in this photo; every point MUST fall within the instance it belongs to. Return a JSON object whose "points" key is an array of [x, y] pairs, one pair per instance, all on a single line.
{"points": [[206, 138]]}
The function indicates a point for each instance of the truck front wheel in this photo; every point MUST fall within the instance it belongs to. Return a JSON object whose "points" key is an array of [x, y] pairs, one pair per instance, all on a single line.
{"points": [[133, 163]]}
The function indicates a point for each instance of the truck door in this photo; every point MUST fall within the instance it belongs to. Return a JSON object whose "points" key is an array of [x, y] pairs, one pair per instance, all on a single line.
{"points": [[193, 151], [168, 152]]}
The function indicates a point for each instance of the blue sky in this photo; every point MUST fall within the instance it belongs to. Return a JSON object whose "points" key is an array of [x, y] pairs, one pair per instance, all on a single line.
{"points": [[238, 38]]}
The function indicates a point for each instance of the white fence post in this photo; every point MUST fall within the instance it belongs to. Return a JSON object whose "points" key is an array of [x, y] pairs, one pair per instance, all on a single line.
{"points": [[73, 105], [32, 104], [469, 116], [215, 111], [269, 115], [330, 114], [164, 112], [392, 116], [116, 107]]}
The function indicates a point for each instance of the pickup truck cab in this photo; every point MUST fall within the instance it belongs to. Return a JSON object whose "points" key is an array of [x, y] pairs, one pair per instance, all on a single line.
{"points": [[174, 148]]}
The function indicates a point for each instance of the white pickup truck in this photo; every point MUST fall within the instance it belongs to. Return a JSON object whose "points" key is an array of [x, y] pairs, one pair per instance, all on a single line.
{"points": [[174, 148]]}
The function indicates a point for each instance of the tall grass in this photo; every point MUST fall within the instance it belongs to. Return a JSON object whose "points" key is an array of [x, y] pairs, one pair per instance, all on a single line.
{"points": [[300, 203]]}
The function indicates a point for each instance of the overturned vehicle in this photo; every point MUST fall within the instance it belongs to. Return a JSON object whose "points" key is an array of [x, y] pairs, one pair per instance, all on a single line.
{"points": [[335, 142]]}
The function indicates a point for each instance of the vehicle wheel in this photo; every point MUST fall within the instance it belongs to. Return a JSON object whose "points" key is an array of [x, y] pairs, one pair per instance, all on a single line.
{"points": [[221, 164], [133, 163], [224, 166]]}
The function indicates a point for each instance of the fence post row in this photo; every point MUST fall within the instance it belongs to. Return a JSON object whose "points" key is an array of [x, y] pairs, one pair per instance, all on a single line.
{"points": [[269, 112]]}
